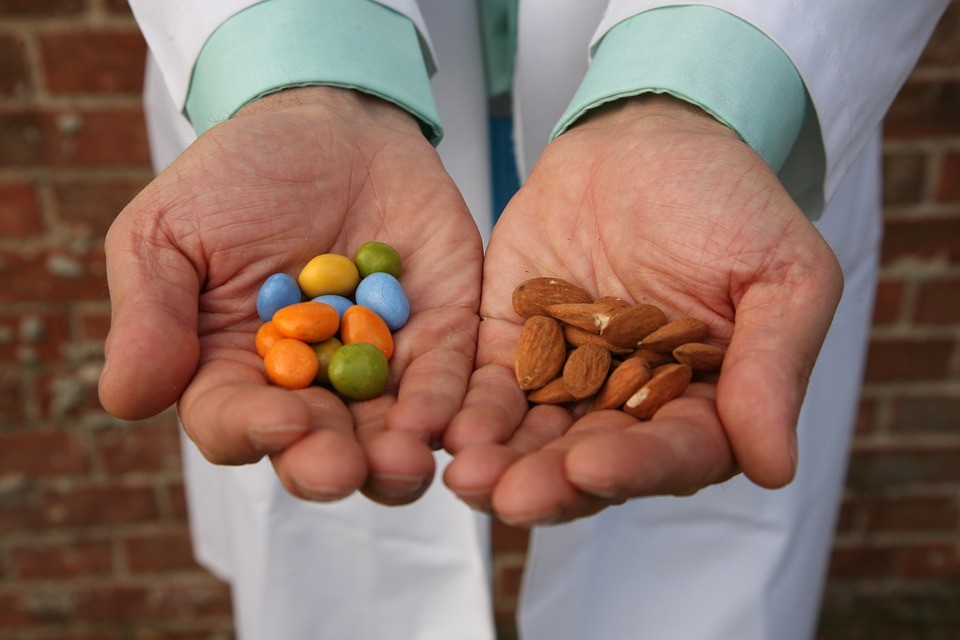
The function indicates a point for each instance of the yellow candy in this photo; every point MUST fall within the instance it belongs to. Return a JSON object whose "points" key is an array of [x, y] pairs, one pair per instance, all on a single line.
{"points": [[329, 273]]}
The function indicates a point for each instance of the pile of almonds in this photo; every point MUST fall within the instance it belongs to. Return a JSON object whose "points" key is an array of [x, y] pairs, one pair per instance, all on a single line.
{"points": [[623, 356]]}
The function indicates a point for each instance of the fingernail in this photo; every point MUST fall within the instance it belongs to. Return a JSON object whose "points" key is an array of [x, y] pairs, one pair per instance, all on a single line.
{"points": [[273, 439], [397, 486], [320, 493]]}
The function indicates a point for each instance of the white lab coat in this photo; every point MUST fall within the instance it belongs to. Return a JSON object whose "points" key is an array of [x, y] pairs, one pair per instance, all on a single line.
{"points": [[734, 561]]}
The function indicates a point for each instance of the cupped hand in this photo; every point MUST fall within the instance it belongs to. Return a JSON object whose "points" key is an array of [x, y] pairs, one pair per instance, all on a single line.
{"points": [[654, 201], [296, 174]]}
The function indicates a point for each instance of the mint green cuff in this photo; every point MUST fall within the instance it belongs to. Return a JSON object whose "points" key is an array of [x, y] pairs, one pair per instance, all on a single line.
{"points": [[707, 57], [278, 44]]}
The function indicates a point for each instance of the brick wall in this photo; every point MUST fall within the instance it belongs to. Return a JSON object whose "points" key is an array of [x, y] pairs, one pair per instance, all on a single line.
{"points": [[93, 534]]}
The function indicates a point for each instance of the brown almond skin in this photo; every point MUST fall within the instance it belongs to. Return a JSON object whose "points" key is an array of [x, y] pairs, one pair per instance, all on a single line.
{"points": [[612, 302], [577, 337], [531, 297], [654, 358], [585, 370], [632, 324], [590, 316], [673, 334], [554, 392], [622, 383], [700, 356], [668, 382], [541, 352]]}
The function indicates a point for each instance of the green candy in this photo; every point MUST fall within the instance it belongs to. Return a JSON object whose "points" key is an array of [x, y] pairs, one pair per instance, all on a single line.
{"points": [[358, 371], [376, 257]]}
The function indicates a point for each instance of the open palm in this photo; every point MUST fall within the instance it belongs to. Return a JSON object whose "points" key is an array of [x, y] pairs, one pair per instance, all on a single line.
{"points": [[652, 201], [301, 173]]}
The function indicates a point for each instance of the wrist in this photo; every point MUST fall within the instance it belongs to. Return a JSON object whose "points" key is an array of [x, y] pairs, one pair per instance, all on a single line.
{"points": [[654, 113]]}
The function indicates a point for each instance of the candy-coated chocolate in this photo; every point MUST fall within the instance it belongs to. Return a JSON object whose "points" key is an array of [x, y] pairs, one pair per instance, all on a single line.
{"points": [[384, 294], [376, 257], [325, 351], [267, 336], [339, 303], [359, 371], [277, 292], [291, 364], [362, 324], [307, 321], [329, 273]]}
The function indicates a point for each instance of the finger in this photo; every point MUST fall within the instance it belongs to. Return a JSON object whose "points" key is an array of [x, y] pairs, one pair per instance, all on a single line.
{"points": [[683, 449], [475, 470], [152, 348], [494, 404], [778, 333], [401, 465]]}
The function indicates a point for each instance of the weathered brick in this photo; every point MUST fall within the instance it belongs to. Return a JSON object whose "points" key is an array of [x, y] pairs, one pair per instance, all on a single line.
{"points": [[70, 560], [866, 416], [52, 275], [14, 71], [11, 407], [159, 552], [913, 513], [142, 448], [35, 510], [924, 239], [938, 302], [159, 602], [37, 453], [890, 615], [92, 205], [93, 323], [176, 497], [931, 561], [33, 337], [67, 393], [904, 176], [19, 210], [925, 108], [507, 539], [863, 562], [93, 60], [928, 413], [847, 519], [942, 48], [118, 6], [948, 184], [507, 574], [888, 301], [45, 8], [903, 465], [908, 359]]}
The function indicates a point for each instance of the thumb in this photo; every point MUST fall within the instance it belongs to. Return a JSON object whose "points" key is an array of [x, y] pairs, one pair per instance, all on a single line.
{"points": [[777, 336], [152, 348]]}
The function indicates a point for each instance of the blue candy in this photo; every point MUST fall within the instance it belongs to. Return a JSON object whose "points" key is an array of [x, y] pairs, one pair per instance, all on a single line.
{"points": [[278, 291], [337, 302], [383, 293]]}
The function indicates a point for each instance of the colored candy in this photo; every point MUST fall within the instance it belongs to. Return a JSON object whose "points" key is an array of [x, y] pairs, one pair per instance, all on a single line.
{"points": [[329, 273], [325, 351], [359, 371], [361, 324], [291, 364], [307, 321], [267, 336], [375, 257], [278, 291], [339, 303], [384, 294]]}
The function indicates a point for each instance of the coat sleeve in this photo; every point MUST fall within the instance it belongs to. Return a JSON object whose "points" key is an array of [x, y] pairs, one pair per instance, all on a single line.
{"points": [[176, 30], [853, 57]]}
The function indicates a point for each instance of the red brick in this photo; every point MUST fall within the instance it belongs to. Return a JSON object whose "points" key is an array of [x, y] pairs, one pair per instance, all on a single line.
{"points": [[143, 448], [888, 301], [932, 561], [908, 359], [866, 417], [924, 239], [158, 602], [66, 393], [926, 108], [11, 409], [900, 465], [938, 302], [847, 519], [44, 8], [176, 497], [41, 453], [507, 539], [52, 275], [96, 137], [948, 185], [14, 72], [913, 513], [942, 48], [14, 611], [507, 576], [40, 337], [92, 206], [904, 175], [118, 6], [35, 510], [159, 552], [926, 414], [71, 560], [19, 210], [93, 324], [863, 562], [93, 60]]}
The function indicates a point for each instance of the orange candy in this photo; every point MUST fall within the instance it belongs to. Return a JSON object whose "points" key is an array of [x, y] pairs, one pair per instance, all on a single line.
{"points": [[291, 364], [307, 321], [267, 336], [361, 324]]}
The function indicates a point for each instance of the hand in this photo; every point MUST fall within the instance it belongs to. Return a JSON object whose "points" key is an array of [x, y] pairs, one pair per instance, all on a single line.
{"points": [[653, 201], [296, 174]]}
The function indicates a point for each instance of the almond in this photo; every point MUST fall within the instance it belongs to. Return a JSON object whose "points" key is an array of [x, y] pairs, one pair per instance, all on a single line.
{"points": [[541, 352], [612, 302], [630, 325], [673, 334], [653, 358], [578, 337], [623, 382], [589, 316], [585, 370], [700, 356], [554, 392], [531, 296], [668, 382]]}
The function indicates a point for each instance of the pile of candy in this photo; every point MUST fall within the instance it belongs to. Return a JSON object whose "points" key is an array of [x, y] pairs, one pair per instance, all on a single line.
{"points": [[342, 336]]}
